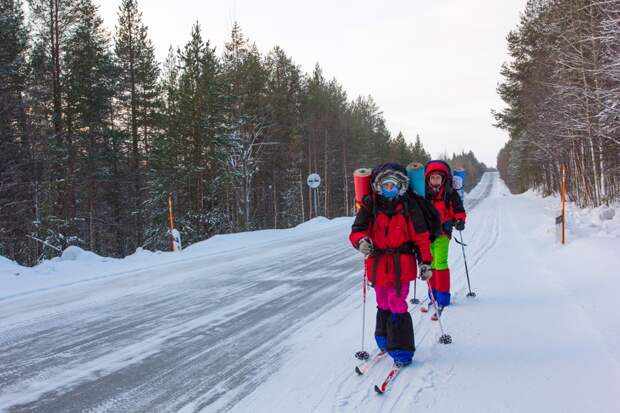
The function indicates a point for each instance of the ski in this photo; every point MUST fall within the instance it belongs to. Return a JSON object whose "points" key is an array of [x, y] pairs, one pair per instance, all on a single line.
{"points": [[382, 388], [365, 366]]}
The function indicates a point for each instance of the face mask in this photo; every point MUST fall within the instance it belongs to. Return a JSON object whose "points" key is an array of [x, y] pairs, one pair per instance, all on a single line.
{"points": [[390, 193]]}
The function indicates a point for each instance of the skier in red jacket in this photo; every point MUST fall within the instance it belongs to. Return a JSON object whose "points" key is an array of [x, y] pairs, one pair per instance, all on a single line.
{"points": [[438, 180], [391, 232]]}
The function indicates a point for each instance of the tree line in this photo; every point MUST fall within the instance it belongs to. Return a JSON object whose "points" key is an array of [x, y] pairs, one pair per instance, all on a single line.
{"points": [[96, 134], [562, 91]]}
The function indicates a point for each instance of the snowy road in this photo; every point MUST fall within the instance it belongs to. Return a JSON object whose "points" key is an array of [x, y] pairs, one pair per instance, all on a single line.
{"points": [[194, 334], [542, 334], [162, 338], [269, 321]]}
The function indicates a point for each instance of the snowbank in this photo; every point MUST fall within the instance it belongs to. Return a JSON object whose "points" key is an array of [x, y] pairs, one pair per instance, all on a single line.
{"points": [[78, 265], [7, 266], [601, 222], [74, 253]]}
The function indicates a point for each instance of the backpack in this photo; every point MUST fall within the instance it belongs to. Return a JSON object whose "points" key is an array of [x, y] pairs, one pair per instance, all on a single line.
{"points": [[430, 213], [411, 199]]}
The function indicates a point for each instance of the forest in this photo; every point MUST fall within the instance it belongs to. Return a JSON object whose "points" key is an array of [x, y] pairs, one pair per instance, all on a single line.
{"points": [[96, 134], [562, 93]]}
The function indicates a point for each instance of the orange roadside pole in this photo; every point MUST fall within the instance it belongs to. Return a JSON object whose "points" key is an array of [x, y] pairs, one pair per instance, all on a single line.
{"points": [[171, 222], [563, 204]]}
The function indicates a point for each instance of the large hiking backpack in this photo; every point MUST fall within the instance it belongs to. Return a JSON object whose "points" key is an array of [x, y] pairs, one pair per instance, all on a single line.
{"points": [[431, 215], [411, 200], [429, 212]]}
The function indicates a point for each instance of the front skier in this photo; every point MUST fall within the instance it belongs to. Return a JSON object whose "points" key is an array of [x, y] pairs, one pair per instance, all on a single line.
{"points": [[438, 180], [390, 230]]}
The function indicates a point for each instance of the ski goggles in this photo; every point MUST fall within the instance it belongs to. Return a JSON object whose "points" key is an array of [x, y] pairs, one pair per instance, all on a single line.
{"points": [[398, 179]]}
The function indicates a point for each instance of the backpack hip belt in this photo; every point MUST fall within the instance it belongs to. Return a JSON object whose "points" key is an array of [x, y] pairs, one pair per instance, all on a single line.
{"points": [[406, 248]]}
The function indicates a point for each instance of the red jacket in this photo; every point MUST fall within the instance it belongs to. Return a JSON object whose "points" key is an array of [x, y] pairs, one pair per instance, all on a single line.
{"points": [[398, 232], [447, 201], [450, 209]]}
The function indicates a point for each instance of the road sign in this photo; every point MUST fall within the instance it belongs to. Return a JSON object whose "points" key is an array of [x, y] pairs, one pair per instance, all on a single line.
{"points": [[313, 181]]}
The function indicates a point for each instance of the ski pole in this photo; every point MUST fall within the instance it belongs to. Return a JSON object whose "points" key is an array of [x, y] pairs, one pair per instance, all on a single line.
{"points": [[414, 300], [470, 293], [444, 338], [362, 354]]}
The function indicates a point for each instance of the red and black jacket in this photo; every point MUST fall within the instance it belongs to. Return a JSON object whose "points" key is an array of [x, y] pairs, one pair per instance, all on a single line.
{"points": [[399, 233], [447, 201]]}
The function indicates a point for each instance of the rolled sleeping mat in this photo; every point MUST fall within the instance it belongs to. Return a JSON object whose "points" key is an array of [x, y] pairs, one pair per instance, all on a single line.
{"points": [[361, 181], [415, 171]]}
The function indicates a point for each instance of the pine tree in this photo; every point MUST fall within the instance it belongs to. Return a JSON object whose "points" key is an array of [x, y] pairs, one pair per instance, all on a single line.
{"points": [[247, 120], [165, 157], [400, 151], [283, 162], [137, 100], [54, 152], [90, 83], [16, 174], [188, 156], [419, 154]]}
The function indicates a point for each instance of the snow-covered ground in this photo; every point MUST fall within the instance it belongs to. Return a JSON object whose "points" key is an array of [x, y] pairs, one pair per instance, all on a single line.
{"points": [[269, 321]]}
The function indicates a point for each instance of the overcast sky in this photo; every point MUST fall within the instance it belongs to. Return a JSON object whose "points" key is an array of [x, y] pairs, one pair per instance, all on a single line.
{"points": [[432, 66]]}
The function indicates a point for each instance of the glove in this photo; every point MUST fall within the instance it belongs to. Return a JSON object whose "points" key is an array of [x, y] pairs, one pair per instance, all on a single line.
{"points": [[459, 225], [365, 246], [425, 272], [447, 227]]}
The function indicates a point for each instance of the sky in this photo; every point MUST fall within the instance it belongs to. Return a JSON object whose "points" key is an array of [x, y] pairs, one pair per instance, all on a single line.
{"points": [[431, 66]]}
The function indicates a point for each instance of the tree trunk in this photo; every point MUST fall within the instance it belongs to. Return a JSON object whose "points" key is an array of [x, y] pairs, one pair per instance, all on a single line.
{"points": [[346, 177], [326, 191], [275, 202]]}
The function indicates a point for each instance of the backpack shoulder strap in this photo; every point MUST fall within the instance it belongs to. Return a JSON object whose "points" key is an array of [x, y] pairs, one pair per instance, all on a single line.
{"points": [[416, 212], [430, 215], [368, 202], [406, 205]]}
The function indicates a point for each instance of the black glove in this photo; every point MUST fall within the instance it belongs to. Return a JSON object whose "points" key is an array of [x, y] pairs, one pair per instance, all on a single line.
{"points": [[459, 225], [365, 246], [447, 227]]}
